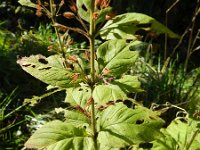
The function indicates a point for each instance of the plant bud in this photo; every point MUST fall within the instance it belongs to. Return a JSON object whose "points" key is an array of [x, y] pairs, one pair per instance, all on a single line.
{"points": [[50, 48], [69, 15], [105, 4], [62, 2], [110, 16], [38, 10], [46, 4], [95, 15]]}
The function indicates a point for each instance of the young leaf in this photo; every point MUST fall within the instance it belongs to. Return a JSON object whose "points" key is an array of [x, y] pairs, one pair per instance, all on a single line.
{"points": [[49, 70], [58, 135], [124, 126], [124, 26], [102, 14], [102, 94], [27, 3], [78, 96], [115, 56], [129, 84]]}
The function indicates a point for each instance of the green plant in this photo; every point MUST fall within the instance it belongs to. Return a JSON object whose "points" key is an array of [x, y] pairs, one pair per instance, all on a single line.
{"points": [[180, 134], [97, 81], [173, 85], [9, 122]]}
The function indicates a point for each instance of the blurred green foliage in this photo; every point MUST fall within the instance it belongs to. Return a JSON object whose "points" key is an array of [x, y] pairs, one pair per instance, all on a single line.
{"points": [[23, 34]]}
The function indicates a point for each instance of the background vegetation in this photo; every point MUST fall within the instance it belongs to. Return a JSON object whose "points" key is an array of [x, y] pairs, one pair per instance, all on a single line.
{"points": [[171, 89]]}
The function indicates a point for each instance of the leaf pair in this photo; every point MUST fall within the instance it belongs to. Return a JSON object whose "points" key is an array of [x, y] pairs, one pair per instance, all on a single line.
{"points": [[118, 127]]}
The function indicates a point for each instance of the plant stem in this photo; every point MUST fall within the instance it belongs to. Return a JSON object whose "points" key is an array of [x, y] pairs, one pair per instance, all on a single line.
{"points": [[189, 49], [92, 71], [53, 13]]}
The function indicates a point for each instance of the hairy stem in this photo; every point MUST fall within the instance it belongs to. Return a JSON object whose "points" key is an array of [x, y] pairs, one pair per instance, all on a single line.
{"points": [[92, 71]]}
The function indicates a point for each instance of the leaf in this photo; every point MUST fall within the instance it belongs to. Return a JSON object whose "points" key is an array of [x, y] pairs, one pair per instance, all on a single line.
{"points": [[104, 147], [129, 84], [165, 143], [27, 3], [103, 94], [58, 135], [49, 70], [125, 126], [178, 135], [182, 133], [84, 7], [78, 96], [115, 55], [102, 14], [125, 26], [76, 118]]}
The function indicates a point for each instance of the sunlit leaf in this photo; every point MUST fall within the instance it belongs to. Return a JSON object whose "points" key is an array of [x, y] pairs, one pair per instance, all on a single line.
{"points": [[84, 7], [58, 135], [78, 96], [103, 94], [182, 134], [165, 143], [125, 126], [116, 56], [129, 83], [49, 70], [27, 3], [125, 26]]}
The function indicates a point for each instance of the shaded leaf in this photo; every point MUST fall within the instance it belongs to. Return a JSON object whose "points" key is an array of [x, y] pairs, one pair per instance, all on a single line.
{"points": [[125, 26], [124, 126], [103, 94], [57, 135], [49, 70]]}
